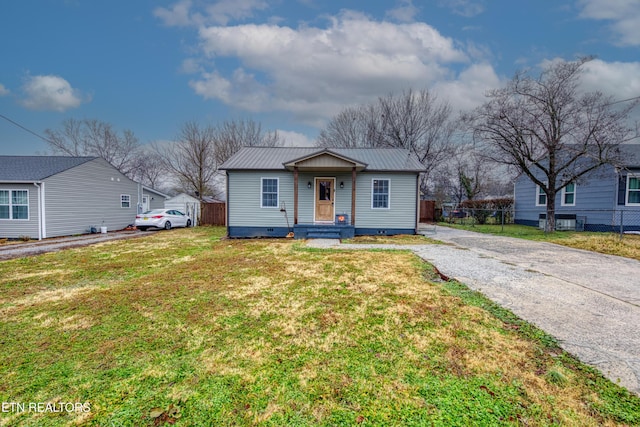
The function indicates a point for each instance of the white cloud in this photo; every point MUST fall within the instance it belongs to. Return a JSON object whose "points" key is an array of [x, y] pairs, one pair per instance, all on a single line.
{"points": [[51, 93], [176, 16], [623, 14], [405, 12], [618, 79], [468, 90], [466, 8], [3, 90], [295, 139], [221, 12], [314, 72]]}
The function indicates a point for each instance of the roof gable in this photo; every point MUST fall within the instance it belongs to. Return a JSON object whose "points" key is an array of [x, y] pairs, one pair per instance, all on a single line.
{"points": [[325, 160], [36, 168]]}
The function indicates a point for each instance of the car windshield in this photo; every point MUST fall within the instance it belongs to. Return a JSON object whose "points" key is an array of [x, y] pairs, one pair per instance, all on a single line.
{"points": [[154, 212]]}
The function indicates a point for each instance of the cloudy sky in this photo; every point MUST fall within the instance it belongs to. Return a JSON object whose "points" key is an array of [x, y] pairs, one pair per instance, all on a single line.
{"points": [[151, 65]]}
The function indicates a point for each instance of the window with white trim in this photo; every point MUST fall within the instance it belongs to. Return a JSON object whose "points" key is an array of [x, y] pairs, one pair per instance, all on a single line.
{"points": [[269, 192], [14, 204], [569, 195], [125, 201], [541, 196], [380, 193], [633, 190]]}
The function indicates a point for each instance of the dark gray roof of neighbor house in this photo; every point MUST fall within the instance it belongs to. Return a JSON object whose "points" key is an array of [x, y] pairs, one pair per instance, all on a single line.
{"points": [[274, 158], [36, 168]]}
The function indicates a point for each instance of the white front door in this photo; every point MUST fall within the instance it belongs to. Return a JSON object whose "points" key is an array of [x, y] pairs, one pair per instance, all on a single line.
{"points": [[145, 203]]}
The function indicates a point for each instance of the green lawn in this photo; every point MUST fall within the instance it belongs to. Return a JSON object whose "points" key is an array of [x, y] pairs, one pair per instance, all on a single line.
{"points": [[184, 328]]}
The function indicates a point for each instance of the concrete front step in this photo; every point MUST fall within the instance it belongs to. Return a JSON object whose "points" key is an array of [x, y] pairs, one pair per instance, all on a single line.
{"points": [[324, 235]]}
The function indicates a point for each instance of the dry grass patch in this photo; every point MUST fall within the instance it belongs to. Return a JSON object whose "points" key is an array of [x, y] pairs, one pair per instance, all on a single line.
{"points": [[400, 239], [267, 332]]}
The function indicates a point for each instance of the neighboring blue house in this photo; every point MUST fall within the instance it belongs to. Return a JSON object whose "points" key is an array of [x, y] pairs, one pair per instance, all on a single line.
{"points": [[317, 192], [601, 201], [50, 196]]}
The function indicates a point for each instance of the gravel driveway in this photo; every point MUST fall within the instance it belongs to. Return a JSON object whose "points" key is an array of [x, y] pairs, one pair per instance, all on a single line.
{"points": [[589, 302], [58, 243]]}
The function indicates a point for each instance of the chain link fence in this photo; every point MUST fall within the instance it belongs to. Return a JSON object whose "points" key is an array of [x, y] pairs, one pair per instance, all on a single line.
{"points": [[622, 221]]}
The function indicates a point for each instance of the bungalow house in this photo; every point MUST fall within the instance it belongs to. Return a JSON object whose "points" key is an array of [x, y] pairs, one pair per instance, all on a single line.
{"points": [[601, 201], [315, 192], [49, 196]]}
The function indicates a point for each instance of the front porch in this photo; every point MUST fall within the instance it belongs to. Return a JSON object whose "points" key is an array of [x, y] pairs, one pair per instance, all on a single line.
{"points": [[323, 231]]}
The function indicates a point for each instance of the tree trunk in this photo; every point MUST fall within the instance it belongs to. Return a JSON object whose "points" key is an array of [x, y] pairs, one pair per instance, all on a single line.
{"points": [[550, 226]]}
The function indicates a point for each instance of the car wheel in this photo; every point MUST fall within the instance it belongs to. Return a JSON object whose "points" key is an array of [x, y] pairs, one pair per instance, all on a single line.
{"points": [[167, 225], [142, 228], [188, 223]]}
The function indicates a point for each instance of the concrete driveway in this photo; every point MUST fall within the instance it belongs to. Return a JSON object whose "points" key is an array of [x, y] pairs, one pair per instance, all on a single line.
{"points": [[589, 302]]}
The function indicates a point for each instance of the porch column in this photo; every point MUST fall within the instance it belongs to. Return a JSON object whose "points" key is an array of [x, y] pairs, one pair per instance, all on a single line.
{"points": [[295, 195], [353, 196]]}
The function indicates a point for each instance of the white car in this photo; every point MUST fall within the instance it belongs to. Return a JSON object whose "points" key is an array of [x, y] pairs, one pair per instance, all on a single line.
{"points": [[162, 218]]}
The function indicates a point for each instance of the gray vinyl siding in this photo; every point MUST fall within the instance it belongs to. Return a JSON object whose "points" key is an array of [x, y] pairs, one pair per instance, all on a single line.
{"points": [[88, 195], [402, 201], [155, 200], [244, 199], [17, 228]]}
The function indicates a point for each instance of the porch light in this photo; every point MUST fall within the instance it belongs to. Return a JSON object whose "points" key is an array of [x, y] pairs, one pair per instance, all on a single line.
{"points": [[309, 185], [341, 184]]}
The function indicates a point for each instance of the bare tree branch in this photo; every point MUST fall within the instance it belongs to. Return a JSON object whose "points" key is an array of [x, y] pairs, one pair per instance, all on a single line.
{"points": [[547, 129]]}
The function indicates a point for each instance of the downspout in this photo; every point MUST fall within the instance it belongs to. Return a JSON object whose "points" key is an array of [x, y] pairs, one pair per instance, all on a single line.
{"points": [[41, 222], [226, 220], [417, 203]]}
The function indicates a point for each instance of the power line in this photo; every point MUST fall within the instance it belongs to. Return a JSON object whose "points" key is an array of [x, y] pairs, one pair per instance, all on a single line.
{"points": [[24, 128], [624, 100]]}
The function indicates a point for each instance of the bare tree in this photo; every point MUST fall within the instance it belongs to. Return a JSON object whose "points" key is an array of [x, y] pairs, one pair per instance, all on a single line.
{"points": [[416, 121], [191, 159], [232, 135], [149, 169], [546, 128], [91, 137]]}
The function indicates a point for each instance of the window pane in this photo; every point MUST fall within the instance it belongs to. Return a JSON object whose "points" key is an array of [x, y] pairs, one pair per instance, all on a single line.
{"points": [[570, 188], [634, 196], [4, 197], [20, 197], [568, 199], [380, 193], [270, 193], [542, 199], [634, 183], [20, 212], [269, 200], [4, 212]]}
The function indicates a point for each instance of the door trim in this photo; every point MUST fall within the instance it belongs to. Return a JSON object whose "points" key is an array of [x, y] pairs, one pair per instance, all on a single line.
{"points": [[315, 199]]}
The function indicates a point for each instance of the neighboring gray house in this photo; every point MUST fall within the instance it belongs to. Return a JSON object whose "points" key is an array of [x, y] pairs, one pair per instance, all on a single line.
{"points": [[49, 196], [601, 201], [317, 192]]}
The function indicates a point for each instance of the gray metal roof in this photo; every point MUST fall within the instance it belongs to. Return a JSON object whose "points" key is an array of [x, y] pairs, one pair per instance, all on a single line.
{"points": [[274, 158], [36, 168]]}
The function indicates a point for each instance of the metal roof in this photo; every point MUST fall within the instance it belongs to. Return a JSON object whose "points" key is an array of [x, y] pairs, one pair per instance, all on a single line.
{"points": [[36, 168], [274, 158]]}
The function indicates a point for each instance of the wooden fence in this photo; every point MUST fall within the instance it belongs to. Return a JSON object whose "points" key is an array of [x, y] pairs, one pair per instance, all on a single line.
{"points": [[214, 214], [427, 210]]}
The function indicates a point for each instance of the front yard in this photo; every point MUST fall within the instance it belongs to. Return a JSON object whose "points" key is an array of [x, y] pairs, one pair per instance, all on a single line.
{"points": [[184, 328]]}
